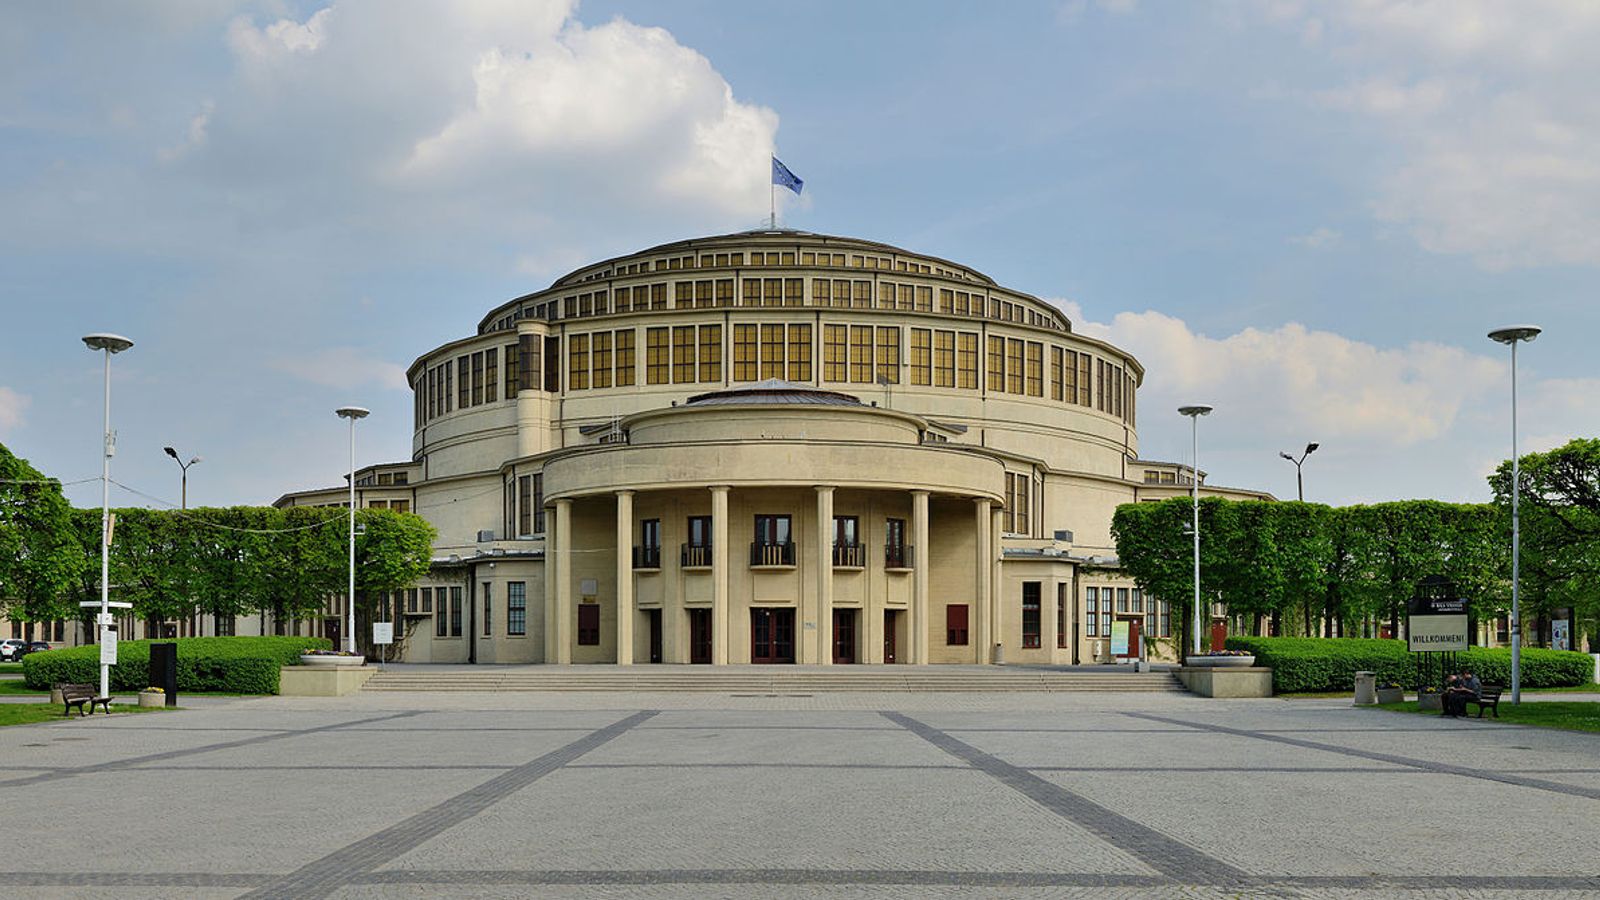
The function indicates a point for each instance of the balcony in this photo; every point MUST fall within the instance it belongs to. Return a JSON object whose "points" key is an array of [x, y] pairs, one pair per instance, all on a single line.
{"points": [[849, 556], [774, 553], [647, 557], [694, 556], [898, 556]]}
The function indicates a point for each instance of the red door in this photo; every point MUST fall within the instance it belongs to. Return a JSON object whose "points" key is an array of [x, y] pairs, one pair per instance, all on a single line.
{"points": [[1219, 635], [700, 636], [1136, 638], [888, 636], [771, 635], [844, 636]]}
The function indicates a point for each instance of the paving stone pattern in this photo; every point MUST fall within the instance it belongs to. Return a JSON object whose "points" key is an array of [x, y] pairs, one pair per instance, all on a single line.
{"points": [[617, 795]]}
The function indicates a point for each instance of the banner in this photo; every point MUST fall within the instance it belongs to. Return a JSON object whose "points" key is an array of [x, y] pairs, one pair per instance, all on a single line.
{"points": [[1119, 637], [1561, 634]]}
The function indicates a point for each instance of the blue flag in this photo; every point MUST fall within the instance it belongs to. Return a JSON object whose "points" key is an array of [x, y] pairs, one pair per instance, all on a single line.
{"points": [[782, 177]]}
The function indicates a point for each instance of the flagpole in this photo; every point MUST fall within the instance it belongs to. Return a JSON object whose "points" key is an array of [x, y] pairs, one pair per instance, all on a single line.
{"points": [[772, 197]]}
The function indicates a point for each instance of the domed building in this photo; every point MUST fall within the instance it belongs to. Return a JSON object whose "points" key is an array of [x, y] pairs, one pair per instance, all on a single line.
{"points": [[771, 447]]}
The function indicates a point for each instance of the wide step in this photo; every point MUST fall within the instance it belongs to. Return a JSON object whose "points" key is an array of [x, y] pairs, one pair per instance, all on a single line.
{"points": [[741, 681]]}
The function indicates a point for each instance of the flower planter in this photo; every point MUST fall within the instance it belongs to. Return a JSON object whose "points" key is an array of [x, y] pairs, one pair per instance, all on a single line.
{"points": [[1219, 662], [1430, 701], [150, 698], [1391, 695], [330, 661]]}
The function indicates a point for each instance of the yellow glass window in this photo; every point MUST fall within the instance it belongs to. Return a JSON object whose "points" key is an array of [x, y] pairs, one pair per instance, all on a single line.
{"points": [[793, 290], [833, 352], [600, 358], [683, 354], [889, 353], [861, 354], [820, 293], [1014, 365], [623, 340], [711, 353], [966, 359], [772, 292], [996, 378], [724, 291], [744, 353], [577, 362], [1035, 369], [921, 356], [800, 353], [771, 351], [944, 359]]}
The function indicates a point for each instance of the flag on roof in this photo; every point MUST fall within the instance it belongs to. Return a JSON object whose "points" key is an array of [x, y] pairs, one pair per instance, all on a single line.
{"points": [[782, 177]]}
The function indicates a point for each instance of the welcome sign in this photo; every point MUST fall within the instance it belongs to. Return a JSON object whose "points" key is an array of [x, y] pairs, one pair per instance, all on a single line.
{"points": [[1438, 618]]}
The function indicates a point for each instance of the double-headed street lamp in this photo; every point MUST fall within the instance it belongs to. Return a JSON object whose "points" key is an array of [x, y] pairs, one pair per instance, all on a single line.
{"points": [[108, 344], [1194, 412], [1299, 482], [185, 467], [352, 413], [1513, 335]]}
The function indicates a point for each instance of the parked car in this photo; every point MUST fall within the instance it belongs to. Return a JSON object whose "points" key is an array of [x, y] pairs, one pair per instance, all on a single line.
{"points": [[12, 649], [39, 647]]}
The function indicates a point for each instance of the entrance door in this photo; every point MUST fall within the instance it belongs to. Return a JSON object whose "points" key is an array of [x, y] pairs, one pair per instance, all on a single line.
{"points": [[1136, 638], [844, 636], [889, 617], [700, 636], [653, 622], [771, 635]]}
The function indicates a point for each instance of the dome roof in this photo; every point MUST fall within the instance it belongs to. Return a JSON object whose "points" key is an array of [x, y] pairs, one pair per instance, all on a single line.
{"points": [[774, 390]]}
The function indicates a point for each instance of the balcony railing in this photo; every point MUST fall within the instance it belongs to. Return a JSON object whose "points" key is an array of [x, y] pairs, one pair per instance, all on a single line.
{"points": [[695, 556], [776, 553], [647, 557], [898, 556], [849, 556]]}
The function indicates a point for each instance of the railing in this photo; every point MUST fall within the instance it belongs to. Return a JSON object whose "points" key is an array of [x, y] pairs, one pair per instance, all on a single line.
{"points": [[647, 557], [850, 556], [898, 556], [692, 556], [763, 553]]}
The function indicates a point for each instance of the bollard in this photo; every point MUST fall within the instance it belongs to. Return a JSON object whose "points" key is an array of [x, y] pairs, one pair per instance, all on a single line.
{"points": [[1366, 689]]}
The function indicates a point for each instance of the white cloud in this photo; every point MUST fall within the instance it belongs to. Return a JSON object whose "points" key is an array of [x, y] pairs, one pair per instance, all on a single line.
{"points": [[344, 367], [1317, 239], [12, 405]]}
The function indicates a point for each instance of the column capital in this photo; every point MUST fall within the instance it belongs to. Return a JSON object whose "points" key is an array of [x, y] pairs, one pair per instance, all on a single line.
{"points": [[561, 502], [720, 488], [921, 493], [823, 488], [625, 492]]}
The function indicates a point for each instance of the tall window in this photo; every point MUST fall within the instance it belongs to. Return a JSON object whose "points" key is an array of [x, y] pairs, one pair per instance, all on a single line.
{"points": [[744, 352], [1019, 491], [862, 291], [996, 378], [772, 529], [800, 353], [771, 351], [516, 608], [624, 356], [1062, 599], [861, 354], [955, 624], [889, 354], [477, 378], [697, 549], [967, 359], [895, 553], [657, 355], [491, 374], [441, 621], [1013, 366], [1035, 369], [488, 609], [944, 358], [464, 378], [525, 505], [224, 626], [921, 364], [577, 362], [1030, 613], [455, 612], [683, 354], [833, 352]]}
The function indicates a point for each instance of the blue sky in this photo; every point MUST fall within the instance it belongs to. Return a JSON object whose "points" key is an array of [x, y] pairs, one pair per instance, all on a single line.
{"points": [[1307, 214]]}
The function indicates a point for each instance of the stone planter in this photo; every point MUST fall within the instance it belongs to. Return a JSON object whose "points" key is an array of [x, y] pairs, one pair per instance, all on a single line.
{"points": [[332, 661], [151, 698], [1391, 695], [56, 695], [1433, 702], [1219, 662]]}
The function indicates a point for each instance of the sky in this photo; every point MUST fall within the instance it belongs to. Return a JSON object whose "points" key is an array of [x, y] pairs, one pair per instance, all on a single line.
{"points": [[1306, 214]]}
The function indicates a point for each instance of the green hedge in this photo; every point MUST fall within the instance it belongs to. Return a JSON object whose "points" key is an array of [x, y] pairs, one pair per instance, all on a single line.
{"points": [[240, 665], [1329, 664]]}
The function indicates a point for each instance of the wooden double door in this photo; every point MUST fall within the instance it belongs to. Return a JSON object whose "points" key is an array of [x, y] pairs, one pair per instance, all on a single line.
{"points": [[844, 636], [771, 634]]}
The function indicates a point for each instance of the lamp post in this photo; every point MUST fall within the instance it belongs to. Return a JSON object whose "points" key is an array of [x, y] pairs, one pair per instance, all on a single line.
{"points": [[1194, 412], [1512, 335], [352, 413], [185, 467], [1299, 481], [108, 344]]}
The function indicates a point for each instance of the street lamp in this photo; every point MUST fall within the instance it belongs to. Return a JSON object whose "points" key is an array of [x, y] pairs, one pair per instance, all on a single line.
{"points": [[1299, 482], [352, 413], [1194, 412], [1512, 335], [185, 467], [108, 344]]}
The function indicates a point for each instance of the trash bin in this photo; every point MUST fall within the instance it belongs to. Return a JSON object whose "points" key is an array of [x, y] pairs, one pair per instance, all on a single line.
{"points": [[999, 654], [164, 670], [1366, 689]]}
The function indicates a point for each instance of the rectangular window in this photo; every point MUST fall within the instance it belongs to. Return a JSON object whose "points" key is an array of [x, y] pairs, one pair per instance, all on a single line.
{"points": [[841, 293], [966, 359], [863, 294], [525, 506], [744, 352], [488, 610], [600, 358], [703, 294], [527, 369], [1122, 599], [1030, 613], [516, 608], [427, 599], [800, 353], [699, 532], [552, 368], [996, 378], [589, 624], [658, 296], [925, 299], [477, 378], [724, 292], [921, 364], [793, 291], [682, 294], [1014, 366], [833, 352], [1019, 490], [861, 354], [1062, 600], [895, 553], [1057, 372], [1116, 391], [955, 625], [772, 292], [491, 374], [1105, 612], [455, 612], [1166, 619], [624, 299], [657, 355], [771, 351], [944, 358], [683, 354], [752, 292], [889, 354], [464, 379], [820, 293], [1100, 385], [711, 353], [1085, 378], [224, 626], [624, 356], [1035, 369], [448, 379], [906, 293], [441, 622], [577, 362], [885, 295]]}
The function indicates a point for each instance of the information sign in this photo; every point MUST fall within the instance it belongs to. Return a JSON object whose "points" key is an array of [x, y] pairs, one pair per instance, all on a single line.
{"points": [[1119, 637], [383, 632], [1561, 634], [108, 645], [1436, 634]]}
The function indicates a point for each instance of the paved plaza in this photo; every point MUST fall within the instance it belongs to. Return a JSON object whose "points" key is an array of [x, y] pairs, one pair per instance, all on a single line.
{"points": [[832, 795]]}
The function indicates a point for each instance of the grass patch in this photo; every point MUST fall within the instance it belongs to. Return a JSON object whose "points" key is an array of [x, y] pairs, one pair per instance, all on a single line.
{"points": [[1569, 689], [30, 713], [11, 668], [1314, 695], [1567, 715], [18, 686]]}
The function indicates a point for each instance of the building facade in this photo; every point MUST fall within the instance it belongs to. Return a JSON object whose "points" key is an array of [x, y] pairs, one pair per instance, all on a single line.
{"points": [[765, 447]]}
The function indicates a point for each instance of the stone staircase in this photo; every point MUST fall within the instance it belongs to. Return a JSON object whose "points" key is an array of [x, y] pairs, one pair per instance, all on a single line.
{"points": [[765, 680]]}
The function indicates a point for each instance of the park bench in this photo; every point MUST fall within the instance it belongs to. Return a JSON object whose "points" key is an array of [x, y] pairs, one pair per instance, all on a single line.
{"points": [[79, 694], [1488, 698]]}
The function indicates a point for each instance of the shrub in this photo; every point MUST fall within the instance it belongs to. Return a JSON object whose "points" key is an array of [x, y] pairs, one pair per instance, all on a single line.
{"points": [[240, 665], [1329, 664]]}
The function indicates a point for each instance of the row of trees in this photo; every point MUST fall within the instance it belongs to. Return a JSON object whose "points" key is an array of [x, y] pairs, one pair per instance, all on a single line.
{"points": [[171, 564], [1310, 569]]}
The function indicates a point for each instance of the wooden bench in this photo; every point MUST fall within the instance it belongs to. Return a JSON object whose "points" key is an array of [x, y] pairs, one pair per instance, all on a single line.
{"points": [[80, 694], [1488, 698]]}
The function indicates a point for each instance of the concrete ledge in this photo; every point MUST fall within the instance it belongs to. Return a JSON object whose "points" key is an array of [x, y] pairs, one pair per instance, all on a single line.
{"points": [[1255, 681], [309, 681]]}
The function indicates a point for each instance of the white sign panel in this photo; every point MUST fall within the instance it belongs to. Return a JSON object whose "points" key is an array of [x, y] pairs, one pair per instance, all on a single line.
{"points": [[383, 632], [108, 645], [1436, 634], [1561, 634]]}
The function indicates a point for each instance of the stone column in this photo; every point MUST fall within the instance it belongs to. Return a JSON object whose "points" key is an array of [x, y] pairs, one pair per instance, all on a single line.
{"points": [[919, 578], [719, 575], [997, 597], [563, 556], [552, 575], [824, 544], [978, 621], [625, 613]]}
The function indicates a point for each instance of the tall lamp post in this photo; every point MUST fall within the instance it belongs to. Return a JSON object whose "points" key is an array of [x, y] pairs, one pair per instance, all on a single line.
{"points": [[1194, 412], [1512, 335], [1299, 481], [352, 413], [185, 467], [108, 344]]}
